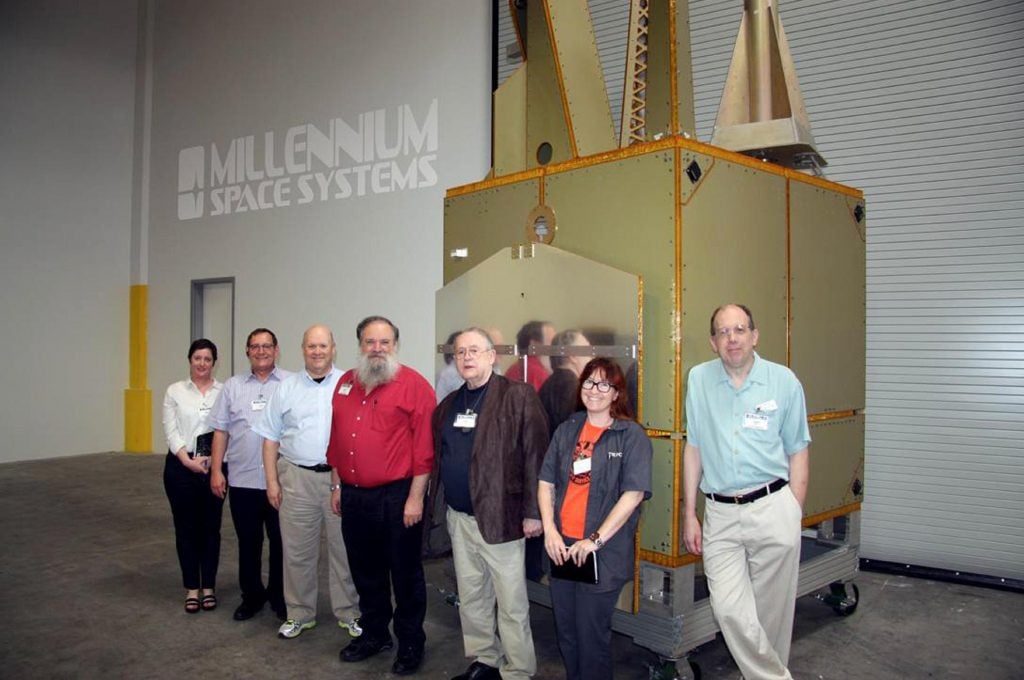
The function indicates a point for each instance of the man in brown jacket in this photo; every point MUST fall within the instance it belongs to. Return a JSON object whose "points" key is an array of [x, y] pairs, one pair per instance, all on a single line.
{"points": [[489, 439]]}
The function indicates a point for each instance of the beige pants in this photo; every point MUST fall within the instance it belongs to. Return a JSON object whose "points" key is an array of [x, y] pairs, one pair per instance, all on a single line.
{"points": [[305, 512], [489, 574], [752, 561]]}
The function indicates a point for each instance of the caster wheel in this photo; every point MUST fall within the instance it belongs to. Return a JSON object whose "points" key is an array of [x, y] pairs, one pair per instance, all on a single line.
{"points": [[845, 603]]}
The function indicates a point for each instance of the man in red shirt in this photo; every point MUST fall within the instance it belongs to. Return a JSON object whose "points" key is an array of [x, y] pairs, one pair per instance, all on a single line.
{"points": [[381, 451]]}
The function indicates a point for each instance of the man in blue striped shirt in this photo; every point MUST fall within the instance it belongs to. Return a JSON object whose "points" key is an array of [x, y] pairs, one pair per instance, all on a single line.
{"points": [[237, 460]]}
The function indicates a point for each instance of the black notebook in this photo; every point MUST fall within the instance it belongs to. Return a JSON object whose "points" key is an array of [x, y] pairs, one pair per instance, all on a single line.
{"points": [[204, 445], [587, 573]]}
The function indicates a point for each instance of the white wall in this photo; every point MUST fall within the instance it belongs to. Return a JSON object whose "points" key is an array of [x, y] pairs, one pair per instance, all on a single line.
{"points": [[67, 74], [228, 69]]}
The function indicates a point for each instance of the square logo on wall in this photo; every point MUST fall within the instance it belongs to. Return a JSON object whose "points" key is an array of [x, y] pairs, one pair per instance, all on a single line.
{"points": [[191, 181]]}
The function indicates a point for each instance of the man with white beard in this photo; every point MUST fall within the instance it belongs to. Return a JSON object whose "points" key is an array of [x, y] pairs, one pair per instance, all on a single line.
{"points": [[381, 450]]}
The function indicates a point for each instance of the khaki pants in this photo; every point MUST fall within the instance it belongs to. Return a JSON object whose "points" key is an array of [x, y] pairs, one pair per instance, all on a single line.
{"points": [[487, 574], [752, 561], [305, 511]]}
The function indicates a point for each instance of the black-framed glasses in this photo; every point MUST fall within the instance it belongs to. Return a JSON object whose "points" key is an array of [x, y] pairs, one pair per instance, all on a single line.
{"points": [[601, 386]]}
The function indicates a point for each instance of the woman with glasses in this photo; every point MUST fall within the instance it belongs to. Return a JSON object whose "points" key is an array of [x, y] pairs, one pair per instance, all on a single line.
{"points": [[596, 472], [196, 510]]}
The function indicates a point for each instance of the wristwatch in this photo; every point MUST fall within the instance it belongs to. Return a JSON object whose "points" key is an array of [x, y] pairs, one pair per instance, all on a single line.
{"points": [[335, 487], [596, 538]]}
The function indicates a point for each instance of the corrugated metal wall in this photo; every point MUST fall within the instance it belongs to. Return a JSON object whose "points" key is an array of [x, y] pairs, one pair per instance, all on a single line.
{"points": [[920, 104]]}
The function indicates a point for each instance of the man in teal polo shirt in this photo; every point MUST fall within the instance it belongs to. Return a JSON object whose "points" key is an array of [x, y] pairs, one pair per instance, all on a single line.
{"points": [[746, 446]]}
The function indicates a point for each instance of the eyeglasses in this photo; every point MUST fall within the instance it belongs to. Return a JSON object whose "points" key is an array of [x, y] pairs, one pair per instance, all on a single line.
{"points": [[471, 352], [739, 331], [265, 346], [602, 386]]}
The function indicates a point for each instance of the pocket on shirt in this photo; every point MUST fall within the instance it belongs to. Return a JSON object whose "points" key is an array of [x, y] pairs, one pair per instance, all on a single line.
{"points": [[387, 420]]}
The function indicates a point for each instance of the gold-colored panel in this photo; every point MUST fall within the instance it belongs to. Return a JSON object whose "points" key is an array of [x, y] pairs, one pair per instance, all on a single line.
{"points": [[684, 116], [578, 63], [656, 527], [545, 114], [622, 213], [827, 334], [837, 465], [484, 222], [734, 250], [669, 75], [693, 168], [509, 134]]}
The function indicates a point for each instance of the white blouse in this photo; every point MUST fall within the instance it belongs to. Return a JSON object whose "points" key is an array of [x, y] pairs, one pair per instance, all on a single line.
{"points": [[186, 412]]}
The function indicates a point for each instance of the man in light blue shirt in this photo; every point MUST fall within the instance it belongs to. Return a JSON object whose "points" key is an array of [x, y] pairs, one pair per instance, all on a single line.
{"points": [[747, 447], [238, 452], [296, 427]]}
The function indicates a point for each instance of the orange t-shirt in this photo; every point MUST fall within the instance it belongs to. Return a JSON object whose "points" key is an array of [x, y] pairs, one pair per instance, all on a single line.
{"points": [[574, 505]]}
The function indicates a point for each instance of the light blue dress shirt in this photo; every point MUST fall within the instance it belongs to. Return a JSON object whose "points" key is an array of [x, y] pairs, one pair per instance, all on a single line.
{"points": [[298, 417], [239, 407], [746, 435]]}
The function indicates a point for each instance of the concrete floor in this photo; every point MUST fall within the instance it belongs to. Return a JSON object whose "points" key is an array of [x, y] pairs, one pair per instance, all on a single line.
{"points": [[91, 588]]}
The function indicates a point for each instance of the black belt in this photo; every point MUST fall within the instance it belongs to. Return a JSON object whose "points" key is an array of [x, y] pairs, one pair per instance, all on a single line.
{"points": [[321, 467], [749, 497]]}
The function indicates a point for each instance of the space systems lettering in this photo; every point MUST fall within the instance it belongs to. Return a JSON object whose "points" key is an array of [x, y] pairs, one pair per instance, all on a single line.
{"points": [[383, 151]]}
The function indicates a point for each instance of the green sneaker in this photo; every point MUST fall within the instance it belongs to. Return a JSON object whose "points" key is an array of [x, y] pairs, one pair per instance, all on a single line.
{"points": [[353, 627], [293, 629]]}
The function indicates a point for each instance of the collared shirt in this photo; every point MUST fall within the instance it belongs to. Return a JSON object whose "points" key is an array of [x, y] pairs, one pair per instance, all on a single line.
{"points": [[185, 413], [298, 417], [746, 435], [621, 461], [385, 436], [239, 407]]}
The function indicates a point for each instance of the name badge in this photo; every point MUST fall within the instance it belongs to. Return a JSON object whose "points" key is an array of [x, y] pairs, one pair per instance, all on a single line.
{"points": [[345, 389], [204, 409], [755, 421], [466, 421], [259, 404], [581, 466]]}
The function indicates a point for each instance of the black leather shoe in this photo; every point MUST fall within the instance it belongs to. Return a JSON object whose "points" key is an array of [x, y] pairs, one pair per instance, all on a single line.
{"points": [[247, 610], [363, 648], [479, 671], [407, 661]]}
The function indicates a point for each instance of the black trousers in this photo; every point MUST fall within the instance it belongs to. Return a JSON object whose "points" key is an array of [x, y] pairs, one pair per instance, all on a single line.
{"points": [[197, 516], [583, 626], [384, 554], [253, 515]]}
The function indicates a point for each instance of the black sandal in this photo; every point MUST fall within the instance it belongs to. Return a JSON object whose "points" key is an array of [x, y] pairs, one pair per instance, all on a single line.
{"points": [[192, 605], [209, 602]]}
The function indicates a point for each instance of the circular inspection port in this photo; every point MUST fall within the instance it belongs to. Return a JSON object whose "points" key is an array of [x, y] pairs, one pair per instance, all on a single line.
{"points": [[544, 153], [541, 225]]}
